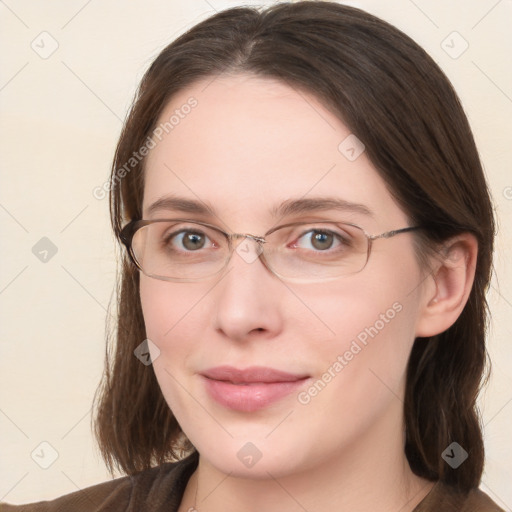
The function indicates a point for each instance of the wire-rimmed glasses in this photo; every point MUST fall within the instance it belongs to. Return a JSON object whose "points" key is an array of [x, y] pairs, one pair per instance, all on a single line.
{"points": [[183, 250]]}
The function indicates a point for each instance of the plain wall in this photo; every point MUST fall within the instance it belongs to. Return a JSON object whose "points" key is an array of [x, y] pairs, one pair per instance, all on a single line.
{"points": [[61, 115]]}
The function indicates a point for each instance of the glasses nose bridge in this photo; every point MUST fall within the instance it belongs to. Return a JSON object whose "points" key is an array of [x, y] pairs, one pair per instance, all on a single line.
{"points": [[249, 258], [235, 236]]}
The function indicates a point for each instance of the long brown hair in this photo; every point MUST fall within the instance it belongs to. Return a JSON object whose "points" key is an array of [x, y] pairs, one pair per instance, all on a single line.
{"points": [[390, 93]]}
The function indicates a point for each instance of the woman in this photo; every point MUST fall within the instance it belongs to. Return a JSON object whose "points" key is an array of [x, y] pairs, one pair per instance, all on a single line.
{"points": [[302, 308]]}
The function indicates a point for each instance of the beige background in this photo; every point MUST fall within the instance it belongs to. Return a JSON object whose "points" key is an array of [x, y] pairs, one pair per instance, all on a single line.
{"points": [[60, 119]]}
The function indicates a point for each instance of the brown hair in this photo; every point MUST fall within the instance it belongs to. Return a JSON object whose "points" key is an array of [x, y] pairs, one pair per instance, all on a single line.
{"points": [[390, 93]]}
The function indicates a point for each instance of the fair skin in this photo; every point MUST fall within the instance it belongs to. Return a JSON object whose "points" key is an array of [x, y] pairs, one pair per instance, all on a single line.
{"points": [[249, 145]]}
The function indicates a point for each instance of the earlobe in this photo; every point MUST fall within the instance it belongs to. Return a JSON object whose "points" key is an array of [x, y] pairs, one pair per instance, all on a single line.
{"points": [[449, 285]]}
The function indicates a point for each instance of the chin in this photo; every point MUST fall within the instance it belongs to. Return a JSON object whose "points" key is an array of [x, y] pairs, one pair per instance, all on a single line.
{"points": [[258, 459]]}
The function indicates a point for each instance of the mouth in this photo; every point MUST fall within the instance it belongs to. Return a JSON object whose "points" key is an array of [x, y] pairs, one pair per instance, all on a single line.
{"points": [[250, 389]]}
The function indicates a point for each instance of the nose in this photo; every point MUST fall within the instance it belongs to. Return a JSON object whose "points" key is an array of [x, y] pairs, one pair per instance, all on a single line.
{"points": [[248, 299]]}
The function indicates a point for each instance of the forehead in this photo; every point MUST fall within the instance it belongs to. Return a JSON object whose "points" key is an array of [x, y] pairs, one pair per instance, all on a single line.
{"points": [[250, 143]]}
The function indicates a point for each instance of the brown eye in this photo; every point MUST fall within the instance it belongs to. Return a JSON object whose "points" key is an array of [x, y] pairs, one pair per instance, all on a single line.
{"points": [[319, 240], [187, 239], [193, 241]]}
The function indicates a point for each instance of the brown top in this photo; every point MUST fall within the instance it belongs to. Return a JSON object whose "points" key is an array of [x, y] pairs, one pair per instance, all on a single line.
{"points": [[161, 489]]}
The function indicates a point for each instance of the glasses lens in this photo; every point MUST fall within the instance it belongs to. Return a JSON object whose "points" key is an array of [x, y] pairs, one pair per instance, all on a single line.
{"points": [[179, 250], [310, 252]]}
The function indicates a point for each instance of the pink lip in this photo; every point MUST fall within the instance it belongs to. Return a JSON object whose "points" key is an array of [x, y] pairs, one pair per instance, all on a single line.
{"points": [[250, 389]]}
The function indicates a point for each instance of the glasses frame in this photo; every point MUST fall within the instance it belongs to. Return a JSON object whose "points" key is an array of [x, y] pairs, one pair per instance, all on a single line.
{"points": [[128, 232]]}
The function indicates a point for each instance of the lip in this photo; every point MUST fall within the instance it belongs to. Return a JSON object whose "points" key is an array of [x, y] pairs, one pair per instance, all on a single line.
{"points": [[251, 388]]}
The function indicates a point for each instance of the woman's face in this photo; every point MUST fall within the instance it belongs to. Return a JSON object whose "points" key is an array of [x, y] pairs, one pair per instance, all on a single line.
{"points": [[246, 146]]}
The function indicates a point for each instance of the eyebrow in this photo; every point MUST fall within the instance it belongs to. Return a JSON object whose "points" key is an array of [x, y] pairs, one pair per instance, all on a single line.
{"points": [[287, 208]]}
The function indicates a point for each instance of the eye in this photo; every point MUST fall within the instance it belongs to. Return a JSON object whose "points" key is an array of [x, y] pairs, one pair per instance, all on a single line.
{"points": [[188, 239], [321, 240]]}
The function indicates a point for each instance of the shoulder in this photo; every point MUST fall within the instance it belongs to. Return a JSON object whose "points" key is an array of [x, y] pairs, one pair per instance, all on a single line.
{"points": [[447, 498], [479, 501], [157, 488], [95, 498]]}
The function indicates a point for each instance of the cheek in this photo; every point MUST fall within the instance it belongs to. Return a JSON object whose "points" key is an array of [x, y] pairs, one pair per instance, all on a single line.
{"points": [[172, 319], [373, 324], [360, 373], [167, 306], [156, 307], [362, 307]]}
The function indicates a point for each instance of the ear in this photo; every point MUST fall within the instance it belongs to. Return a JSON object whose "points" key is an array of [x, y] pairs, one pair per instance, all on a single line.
{"points": [[448, 286]]}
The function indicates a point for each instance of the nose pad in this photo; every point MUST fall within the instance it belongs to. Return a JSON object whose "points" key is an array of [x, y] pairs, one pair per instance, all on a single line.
{"points": [[249, 249]]}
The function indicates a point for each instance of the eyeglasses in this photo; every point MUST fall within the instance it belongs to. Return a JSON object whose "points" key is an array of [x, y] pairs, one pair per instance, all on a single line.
{"points": [[181, 250]]}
